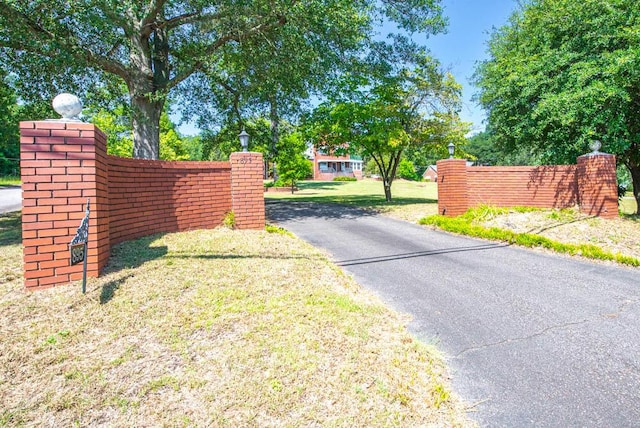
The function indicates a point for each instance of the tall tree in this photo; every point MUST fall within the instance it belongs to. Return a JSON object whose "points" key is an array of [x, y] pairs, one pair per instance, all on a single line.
{"points": [[156, 45], [9, 136], [563, 73], [408, 108]]}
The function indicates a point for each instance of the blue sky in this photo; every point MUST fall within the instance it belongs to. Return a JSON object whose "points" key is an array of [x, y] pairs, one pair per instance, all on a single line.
{"points": [[464, 44], [470, 23]]}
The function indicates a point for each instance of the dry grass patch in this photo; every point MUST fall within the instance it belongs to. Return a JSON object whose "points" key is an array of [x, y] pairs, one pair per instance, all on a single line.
{"points": [[621, 235], [213, 328]]}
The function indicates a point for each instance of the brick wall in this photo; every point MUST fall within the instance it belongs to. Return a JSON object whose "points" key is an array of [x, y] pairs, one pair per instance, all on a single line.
{"points": [[591, 184], [544, 186], [452, 187], [60, 171], [147, 197], [65, 163], [247, 190], [598, 185]]}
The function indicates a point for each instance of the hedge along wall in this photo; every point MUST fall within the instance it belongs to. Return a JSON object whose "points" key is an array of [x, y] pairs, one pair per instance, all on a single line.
{"points": [[592, 184], [65, 163]]}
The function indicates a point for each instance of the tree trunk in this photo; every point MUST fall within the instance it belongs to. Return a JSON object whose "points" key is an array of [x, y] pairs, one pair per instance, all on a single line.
{"points": [[387, 188], [145, 116], [635, 179]]}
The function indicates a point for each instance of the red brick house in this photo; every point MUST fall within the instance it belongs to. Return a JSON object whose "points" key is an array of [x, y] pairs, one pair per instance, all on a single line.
{"points": [[431, 173], [326, 167]]}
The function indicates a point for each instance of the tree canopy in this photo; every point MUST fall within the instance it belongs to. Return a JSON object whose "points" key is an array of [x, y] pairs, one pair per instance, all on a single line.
{"points": [[406, 107], [157, 47], [563, 73]]}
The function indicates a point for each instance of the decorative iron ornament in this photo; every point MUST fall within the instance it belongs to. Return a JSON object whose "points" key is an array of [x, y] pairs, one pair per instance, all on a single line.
{"points": [[82, 234], [78, 247]]}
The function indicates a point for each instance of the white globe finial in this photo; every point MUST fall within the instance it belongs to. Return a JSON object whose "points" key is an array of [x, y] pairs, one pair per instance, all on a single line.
{"points": [[68, 106], [595, 146]]}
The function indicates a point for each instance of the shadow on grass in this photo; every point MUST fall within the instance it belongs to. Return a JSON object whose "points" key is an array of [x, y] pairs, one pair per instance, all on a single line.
{"points": [[129, 255], [109, 289], [132, 254], [631, 217], [214, 256], [10, 228]]}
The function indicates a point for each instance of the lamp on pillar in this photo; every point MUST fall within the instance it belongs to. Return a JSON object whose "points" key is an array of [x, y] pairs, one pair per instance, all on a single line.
{"points": [[451, 148], [244, 140]]}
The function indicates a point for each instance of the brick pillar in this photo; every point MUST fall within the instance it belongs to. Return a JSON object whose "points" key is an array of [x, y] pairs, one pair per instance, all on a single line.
{"points": [[452, 187], [247, 190], [62, 165], [598, 185]]}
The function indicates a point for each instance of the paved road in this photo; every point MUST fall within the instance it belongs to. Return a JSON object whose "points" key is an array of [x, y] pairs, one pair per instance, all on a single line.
{"points": [[10, 199], [533, 339]]}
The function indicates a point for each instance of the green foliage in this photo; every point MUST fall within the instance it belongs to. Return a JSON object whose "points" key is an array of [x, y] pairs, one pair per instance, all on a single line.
{"points": [[10, 180], [9, 135], [229, 220], [116, 124], [465, 225], [257, 51], [344, 178], [411, 103], [563, 73], [292, 164], [484, 151], [219, 144], [407, 170]]}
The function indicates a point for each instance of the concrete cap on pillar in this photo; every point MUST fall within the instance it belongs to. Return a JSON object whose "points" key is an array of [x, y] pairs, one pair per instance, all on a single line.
{"points": [[68, 106]]}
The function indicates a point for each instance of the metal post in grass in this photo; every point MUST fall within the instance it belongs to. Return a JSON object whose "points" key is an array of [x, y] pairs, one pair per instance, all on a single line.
{"points": [[78, 247]]}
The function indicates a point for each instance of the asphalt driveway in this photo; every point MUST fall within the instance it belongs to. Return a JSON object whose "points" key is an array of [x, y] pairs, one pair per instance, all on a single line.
{"points": [[10, 199], [532, 339]]}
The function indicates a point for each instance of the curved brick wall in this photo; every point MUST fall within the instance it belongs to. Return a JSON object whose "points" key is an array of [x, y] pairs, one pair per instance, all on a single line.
{"points": [[147, 197], [64, 164]]}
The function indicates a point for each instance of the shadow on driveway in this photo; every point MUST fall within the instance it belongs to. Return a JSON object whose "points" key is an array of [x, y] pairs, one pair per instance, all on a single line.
{"points": [[283, 211]]}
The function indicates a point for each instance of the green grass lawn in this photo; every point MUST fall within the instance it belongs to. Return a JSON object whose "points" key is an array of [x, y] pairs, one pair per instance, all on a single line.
{"points": [[365, 193], [410, 200], [9, 180], [212, 328], [628, 204]]}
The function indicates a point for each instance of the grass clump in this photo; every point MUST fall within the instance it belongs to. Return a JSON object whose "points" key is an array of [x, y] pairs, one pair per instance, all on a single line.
{"points": [[229, 220], [469, 224], [10, 180], [213, 328]]}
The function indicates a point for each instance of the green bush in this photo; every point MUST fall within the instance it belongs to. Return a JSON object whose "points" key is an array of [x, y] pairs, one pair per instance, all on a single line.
{"points": [[407, 170], [345, 178]]}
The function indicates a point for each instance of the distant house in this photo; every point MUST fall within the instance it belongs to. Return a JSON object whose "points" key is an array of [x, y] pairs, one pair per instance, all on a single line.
{"points": [[431, 173], [326, 167]]}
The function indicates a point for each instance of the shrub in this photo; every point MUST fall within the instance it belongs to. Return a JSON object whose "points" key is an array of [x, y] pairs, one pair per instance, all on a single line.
{"points": [[407, 170], [229, 220], [345, 178]]}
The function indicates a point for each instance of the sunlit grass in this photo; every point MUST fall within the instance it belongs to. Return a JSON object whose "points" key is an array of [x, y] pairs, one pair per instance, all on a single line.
{"points": [[9, 180], [628, 204], [477, 222], [410, 200], [212, 328]]}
